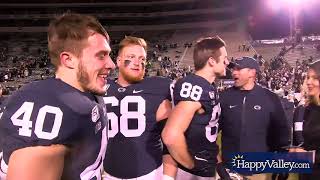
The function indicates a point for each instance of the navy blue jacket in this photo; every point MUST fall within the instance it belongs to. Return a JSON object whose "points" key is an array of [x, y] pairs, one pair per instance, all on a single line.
{"points": [[252, 121]]}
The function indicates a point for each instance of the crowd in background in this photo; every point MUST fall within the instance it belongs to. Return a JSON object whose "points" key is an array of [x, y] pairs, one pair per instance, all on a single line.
{"points": [[276, 74]]}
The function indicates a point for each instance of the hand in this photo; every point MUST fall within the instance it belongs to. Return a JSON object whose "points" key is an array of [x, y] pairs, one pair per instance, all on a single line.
{"points": [[297, 150], [222, 172]]}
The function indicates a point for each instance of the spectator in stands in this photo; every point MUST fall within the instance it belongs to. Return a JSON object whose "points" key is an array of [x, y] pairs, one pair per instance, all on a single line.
{"points": [[2, 93]]}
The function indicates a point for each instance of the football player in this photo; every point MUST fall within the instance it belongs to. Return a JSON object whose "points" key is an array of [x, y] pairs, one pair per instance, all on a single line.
{"points": [[56, 128], [138, 108], [191, 131]]}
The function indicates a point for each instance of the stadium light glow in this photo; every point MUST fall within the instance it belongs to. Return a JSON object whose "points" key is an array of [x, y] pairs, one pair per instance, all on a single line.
{"points": [[293, 2], [297, 3], [274, 5]]}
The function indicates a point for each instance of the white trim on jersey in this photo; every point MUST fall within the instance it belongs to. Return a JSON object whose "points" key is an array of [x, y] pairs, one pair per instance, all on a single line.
{"points": [[95, 169], [171, 92], [4, 168], [166, 177]]}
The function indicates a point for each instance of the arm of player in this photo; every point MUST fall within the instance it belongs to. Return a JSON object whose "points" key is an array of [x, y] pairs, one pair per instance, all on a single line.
{"points": [[169, 165], [37, 163], [164, 110], [173, 133]]}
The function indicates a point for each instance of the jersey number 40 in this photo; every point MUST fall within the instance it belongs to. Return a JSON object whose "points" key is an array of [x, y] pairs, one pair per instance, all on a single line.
{"points": [[26, 124]]}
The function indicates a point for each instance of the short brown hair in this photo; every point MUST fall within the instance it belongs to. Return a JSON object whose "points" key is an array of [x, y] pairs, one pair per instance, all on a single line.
{"points": [[206, 48], [131, 40], [69, 32]]}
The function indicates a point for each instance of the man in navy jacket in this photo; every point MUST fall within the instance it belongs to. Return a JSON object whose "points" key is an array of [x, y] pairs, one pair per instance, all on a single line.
{"points": [[252, 117]]}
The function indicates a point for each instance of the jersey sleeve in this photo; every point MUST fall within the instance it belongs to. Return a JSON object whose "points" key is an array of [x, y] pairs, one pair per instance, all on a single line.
{"points": [[161, 85], [36, 121], [168, 85]]}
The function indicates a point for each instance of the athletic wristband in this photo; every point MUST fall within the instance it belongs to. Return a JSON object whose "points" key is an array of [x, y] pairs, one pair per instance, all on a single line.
{"points": [[166, 177]]}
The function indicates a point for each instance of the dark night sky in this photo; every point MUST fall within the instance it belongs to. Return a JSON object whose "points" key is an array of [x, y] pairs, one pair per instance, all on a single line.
{"points": [[264, 23]]}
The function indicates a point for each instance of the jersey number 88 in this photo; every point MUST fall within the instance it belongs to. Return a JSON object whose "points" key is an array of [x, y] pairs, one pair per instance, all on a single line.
{"points": [[195, 92]]}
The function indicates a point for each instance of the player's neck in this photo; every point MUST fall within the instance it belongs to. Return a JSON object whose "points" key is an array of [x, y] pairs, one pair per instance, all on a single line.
{"points": [[69, 79], [210, 77], [122, 82], [248, 86]]}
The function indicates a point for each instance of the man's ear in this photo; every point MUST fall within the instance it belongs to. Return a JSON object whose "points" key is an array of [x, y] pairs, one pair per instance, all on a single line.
{"points": [[68, 60], [118, 61], [212, 61], [253, 72]]}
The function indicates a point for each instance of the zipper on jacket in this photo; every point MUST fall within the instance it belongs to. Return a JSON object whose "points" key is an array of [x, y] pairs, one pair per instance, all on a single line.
{"points": [[243, 122]]}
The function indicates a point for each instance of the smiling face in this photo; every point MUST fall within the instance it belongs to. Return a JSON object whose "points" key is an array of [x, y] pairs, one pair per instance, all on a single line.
{"points": [[313, 83], [131, 62], [94, 65]]}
